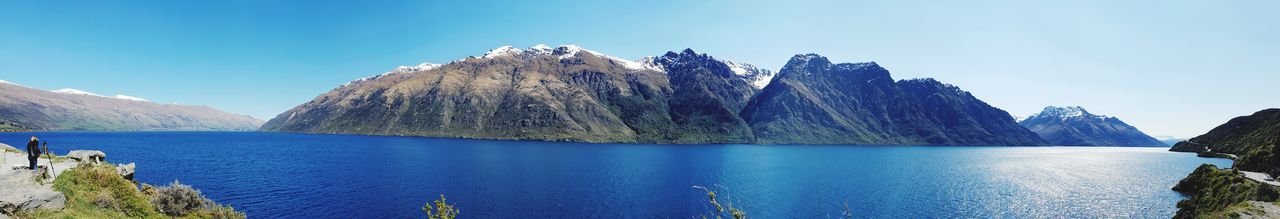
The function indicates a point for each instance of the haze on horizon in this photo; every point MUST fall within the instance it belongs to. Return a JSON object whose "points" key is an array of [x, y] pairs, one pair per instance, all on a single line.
{"points": [[1170, 69]]}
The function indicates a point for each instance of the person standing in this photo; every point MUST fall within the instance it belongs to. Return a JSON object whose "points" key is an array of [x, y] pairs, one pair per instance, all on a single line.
{"points": [[33, 151]]}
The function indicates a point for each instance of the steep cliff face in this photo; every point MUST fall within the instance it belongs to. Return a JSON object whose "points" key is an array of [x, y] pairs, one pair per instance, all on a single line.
{"points": [[708, 94], [28, 109], [1075, 126], [813, 101]]}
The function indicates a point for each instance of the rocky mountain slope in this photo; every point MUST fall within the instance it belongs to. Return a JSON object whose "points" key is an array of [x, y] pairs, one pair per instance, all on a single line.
{"points": [[1251, 138], [707, 95], [814, 101], [27, 109], [1075, 126], [573, 94]]}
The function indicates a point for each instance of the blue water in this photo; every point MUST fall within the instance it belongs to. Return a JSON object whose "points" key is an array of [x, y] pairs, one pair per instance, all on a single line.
{"points": [[271, 175]]}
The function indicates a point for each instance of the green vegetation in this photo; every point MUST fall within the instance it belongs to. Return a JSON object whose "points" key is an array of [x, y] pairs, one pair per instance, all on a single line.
{"points": [[1252, 138], [440, 210], [11, 127], [1215, 191], [97, 191], [1235, 211], [1224, 193]]}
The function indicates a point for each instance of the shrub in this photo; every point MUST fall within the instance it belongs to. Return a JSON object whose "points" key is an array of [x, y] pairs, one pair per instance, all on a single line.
{"points": [[217, 211], [720, 209], [178, 199], [104, 199], [441, 210]]}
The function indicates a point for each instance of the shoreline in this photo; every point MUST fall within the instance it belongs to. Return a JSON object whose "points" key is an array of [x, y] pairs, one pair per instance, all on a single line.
{"points": [[589, 142]]}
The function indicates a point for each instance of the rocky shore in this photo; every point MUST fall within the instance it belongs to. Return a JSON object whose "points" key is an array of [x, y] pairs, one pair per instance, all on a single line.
{"points": [[81, 184]]}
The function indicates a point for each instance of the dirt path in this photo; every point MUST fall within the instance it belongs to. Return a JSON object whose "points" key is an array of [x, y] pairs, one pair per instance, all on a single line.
{"points": [[1260, 177]]}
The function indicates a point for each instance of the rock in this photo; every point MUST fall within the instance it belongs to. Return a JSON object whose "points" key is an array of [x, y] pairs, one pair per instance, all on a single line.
{"points": [[126, 171], [14, 202], [20, 193], [87, 156]]}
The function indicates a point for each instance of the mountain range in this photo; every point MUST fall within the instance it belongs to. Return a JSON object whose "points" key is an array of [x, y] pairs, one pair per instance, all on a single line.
{"points": [[28, 109], [568, 93], [1075, 126]]}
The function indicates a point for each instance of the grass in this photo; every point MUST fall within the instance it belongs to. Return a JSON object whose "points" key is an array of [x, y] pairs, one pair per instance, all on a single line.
{"points": [[97, 191]]}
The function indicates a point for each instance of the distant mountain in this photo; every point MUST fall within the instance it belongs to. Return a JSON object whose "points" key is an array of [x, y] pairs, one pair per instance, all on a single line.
{"points": [[572, 94], [1075, 126], [1169, 140], [813, 101], [28, 109]]}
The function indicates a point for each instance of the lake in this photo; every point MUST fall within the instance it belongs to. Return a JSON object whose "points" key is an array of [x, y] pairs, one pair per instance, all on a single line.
{"points": [[275, 175]]}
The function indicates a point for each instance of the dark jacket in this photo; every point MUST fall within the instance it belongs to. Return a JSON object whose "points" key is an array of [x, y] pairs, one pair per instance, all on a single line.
{"points": [[33, 149]]}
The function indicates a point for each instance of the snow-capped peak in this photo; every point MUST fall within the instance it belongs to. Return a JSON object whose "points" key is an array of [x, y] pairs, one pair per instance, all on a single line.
{"points": [[7, 82], [74, 91], [502, 51], [758, 77], [540, 49], [1065, 113], [569, 51], [651, 62], [420, 67]]}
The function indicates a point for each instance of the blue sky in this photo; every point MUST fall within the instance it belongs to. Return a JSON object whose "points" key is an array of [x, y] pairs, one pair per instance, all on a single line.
{"points": [[1169, 68]]}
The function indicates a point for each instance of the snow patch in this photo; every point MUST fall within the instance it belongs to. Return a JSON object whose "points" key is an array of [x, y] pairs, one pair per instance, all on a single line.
{"points": [[70, 91], [651, 62], [130, 98], [758, 77], [570, 51], [540, 49], [399, 70], [75, 92], [502, 51]]}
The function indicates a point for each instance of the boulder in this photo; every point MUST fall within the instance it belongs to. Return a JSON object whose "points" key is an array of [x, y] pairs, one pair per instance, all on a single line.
{"points": [[21, 193], [126, 171], [11, 203], [87, 156]]}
